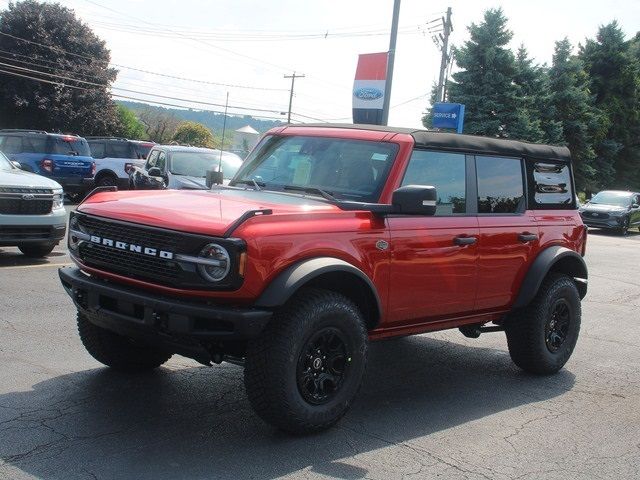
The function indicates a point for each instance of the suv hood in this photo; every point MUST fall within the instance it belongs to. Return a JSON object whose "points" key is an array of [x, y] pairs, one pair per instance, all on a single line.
{"points": [[209, 212], [20, 178], [601, 207]]}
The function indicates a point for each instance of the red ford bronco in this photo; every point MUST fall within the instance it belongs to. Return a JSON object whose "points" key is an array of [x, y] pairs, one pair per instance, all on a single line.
{"points": [[329, 237]]}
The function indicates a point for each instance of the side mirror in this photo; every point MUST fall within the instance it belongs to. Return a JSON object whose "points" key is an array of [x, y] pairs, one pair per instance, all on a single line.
{"points": [[214, 177], [16, 164], [155, 172], [415, 200], [635, 205]]}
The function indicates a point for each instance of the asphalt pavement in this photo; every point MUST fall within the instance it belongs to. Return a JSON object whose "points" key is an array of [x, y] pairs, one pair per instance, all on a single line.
{"points": [[432, 406]]}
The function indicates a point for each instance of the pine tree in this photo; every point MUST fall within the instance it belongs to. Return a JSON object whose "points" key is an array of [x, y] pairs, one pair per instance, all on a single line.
{"points": [[486, 83], [614, 71], [533, 81], [583, 125]]}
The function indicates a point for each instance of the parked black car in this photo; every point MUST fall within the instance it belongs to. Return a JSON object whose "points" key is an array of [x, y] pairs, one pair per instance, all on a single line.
{"points": [[612, 209]]}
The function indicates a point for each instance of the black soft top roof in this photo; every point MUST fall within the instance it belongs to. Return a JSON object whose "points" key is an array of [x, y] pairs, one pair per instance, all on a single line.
{"points": [[454, 142]]}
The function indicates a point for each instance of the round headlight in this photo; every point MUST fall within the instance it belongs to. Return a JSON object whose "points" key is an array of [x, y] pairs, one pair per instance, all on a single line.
{"points": [[218, 266]]}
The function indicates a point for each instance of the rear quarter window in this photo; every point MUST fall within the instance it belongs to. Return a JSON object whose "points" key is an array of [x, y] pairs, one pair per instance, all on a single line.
{"points": [[11, 144], [550, 185]]}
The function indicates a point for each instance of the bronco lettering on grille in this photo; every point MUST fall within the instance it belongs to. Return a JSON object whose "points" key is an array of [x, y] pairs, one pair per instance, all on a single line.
{"points": [[153, 252]]}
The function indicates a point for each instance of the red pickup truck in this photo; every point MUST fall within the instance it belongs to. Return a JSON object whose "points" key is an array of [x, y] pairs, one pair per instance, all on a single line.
{"points": [[327, 238]]}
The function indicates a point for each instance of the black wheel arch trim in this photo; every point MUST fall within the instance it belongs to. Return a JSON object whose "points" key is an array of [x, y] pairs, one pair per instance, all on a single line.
{"points": [[301, 273], [572, 264]]}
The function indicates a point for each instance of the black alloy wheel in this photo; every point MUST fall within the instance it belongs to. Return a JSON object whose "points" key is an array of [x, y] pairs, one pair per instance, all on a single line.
{"points": [[323, 365], [557, 327]]}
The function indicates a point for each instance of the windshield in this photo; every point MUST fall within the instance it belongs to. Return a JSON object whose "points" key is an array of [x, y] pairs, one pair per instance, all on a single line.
{"points": [[68, 145], [618, 199], [346, 169], [196, 164], [5, 164]]}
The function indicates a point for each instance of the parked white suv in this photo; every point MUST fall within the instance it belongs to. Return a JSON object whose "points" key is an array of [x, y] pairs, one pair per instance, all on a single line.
{"points": [[32, 214]]}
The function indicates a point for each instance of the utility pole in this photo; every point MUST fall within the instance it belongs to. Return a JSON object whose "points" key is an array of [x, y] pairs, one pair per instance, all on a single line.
{"points": [[447, 28], [293, 79], [390, 58]]}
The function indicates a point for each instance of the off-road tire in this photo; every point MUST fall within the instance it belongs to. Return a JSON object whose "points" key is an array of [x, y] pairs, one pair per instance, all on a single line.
{"points": [[36, 250], [272, 362], [527, 329], [116, 351]]}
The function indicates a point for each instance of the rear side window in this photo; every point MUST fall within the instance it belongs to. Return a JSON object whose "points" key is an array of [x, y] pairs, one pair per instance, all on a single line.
{"points": [[34, 144], [11, 145], [68, 145], [549, 185], [97, 149], [119, 150], [142, 149], [500, 185], [446, 172]]}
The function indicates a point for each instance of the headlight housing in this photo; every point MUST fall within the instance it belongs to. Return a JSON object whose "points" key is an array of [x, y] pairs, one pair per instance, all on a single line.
{"points": [[218, 265], [58, 199]]}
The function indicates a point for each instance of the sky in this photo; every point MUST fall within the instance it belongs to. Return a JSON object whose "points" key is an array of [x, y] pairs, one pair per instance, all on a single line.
{"points": [[249, 45]]}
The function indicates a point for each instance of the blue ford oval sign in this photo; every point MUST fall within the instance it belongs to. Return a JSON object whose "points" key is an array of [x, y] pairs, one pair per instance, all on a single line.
{"points": [[368, 93]]}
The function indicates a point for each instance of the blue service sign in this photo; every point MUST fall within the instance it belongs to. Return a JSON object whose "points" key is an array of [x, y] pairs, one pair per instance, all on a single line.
{"points": [[448, 115]]}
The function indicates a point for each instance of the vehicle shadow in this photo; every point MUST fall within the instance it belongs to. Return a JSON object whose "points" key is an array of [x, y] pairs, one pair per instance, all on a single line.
{"points": [[613, 233], [13, 258], [195, 422]]}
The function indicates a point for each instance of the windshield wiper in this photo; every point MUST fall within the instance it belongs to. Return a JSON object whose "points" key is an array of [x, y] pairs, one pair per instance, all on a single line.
{"points": [[323, 193], [252, 182]]}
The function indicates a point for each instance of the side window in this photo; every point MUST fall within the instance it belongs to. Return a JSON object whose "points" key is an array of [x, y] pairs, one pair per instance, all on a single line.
{"points": [[152, 159], [12, 145], [34, 144], [162, 161], [500, 185], [118, 149], [549, 184], [97, 149], [446, 172]]}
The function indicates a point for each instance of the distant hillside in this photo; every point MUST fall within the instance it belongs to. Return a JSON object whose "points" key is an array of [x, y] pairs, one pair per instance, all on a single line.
{"points": [[212, 120]]}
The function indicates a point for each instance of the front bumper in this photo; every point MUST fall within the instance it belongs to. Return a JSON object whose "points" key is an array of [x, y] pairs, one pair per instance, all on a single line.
{"points": [[183, 327], [611, 222], [11, 235]]}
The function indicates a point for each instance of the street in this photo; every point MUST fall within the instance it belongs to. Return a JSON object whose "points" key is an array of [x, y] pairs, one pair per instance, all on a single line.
{"points": [[437, 405]]}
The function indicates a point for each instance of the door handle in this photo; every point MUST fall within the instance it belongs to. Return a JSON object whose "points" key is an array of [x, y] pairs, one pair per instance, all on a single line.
{"points": [[527, 237], [465, 240]]}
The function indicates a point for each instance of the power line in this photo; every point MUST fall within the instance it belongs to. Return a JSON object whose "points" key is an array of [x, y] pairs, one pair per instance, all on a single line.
{"points": [[53, 82], [93, 59], [24, 69]]}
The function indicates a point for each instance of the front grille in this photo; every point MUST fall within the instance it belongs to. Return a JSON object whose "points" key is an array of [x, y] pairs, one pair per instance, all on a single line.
{"points": [[125, 262], [15, 206], [122, 260], [596, 215], [25, 201], [24, 233], [131, 264]]}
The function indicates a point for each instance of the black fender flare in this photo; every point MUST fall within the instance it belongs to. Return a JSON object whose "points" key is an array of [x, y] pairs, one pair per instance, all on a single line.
{"points": [[299, 274], [565, 260]]}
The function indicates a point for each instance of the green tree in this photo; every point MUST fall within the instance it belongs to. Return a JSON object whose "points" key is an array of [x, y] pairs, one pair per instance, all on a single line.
{"points": [[533, 82], [61, 46], [583, 125], [195, 134], [486, 83], [129, 126], [612, 65]]}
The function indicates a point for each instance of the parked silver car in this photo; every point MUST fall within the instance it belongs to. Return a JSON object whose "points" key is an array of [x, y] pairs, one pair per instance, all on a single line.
{"points": [[32, 214]]}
